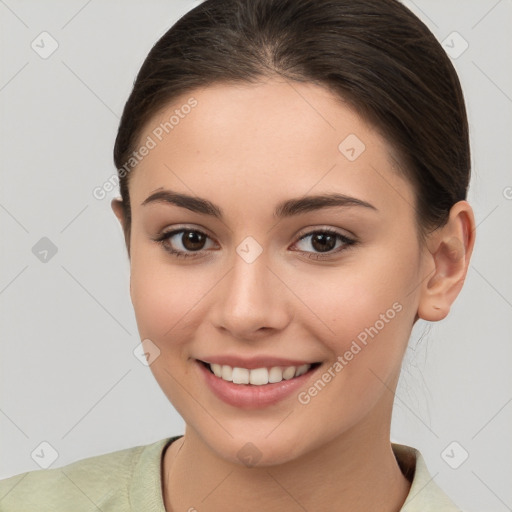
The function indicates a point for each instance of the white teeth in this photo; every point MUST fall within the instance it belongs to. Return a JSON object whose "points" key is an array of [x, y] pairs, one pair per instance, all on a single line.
{"points": [[217, 369], [275, 374], [227, 372], [258, 376], [289, 373], [240, 376], [301, 370]]}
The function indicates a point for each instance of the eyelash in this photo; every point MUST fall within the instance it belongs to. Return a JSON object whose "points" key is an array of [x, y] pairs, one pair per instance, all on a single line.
{"points": [[163, 237]]}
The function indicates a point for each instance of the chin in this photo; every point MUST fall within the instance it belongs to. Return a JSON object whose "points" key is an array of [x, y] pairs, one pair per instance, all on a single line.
{"points": [[257, 450]]}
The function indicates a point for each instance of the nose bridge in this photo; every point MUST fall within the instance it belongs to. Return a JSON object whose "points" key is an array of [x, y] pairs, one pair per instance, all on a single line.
{"points": [[248, 300], [248, 288]]}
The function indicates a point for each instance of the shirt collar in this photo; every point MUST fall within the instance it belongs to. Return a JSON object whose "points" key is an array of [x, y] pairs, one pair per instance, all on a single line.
{"points": [[424, 495], [145, 491]]}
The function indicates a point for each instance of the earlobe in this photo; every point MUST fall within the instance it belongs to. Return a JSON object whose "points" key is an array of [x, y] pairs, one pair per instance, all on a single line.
{"points": [[450, 249]]}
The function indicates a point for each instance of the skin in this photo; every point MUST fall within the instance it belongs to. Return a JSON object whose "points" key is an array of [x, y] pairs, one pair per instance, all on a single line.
{"points": [[246, 148]]}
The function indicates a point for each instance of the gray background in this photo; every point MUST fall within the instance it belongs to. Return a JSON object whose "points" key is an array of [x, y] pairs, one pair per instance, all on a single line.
{"points": [[68, 373]]}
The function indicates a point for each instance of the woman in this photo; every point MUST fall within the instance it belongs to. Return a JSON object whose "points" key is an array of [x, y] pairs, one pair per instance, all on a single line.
{"points": [[293, 177]]}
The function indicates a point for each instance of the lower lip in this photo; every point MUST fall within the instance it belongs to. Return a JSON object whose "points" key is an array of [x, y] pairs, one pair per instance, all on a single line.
{"points": [[249, 396]]}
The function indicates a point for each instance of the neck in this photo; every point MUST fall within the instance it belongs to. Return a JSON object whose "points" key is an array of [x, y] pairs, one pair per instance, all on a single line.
{"points": [[354, 472]]}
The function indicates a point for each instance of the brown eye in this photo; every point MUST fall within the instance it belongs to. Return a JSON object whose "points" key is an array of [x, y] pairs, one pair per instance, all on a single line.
{"points": [[184, 242], [193, 240], [325, 241]]}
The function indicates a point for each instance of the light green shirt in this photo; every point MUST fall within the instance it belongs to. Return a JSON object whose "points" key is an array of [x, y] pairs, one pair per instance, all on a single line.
{"points": [[130, 480]]}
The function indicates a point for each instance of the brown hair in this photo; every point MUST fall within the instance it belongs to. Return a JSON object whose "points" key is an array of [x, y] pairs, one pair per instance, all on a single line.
{"points": [[374, 54]]}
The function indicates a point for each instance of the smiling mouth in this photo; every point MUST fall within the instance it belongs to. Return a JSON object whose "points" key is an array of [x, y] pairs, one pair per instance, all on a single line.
{"points": [[257, 376]]}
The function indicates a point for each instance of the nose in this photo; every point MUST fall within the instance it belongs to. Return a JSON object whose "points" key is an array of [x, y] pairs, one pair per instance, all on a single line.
{"points": [[252, 301]]}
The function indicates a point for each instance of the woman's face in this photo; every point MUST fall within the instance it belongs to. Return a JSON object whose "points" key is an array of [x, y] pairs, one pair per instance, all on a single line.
{"points": [[264, 286]]}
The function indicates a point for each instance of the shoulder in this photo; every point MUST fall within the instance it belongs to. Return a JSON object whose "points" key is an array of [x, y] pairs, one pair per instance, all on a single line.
{"points": [[99, 482]]}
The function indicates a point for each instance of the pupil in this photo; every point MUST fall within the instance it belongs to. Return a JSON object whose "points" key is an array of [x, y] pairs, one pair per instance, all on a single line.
{"points": [[326, 242], [193, 240]]}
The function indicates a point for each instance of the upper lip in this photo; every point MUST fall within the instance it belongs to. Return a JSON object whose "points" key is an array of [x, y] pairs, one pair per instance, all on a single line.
{"points": [[254, 362]]}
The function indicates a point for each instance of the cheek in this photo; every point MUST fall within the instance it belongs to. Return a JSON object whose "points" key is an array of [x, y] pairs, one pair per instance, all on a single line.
{"points": [[364, 308], [369, 311], [163, 295], [162, 305]]}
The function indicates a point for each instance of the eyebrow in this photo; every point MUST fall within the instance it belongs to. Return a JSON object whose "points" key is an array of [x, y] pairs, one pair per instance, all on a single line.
{"points": [[287, 208]]}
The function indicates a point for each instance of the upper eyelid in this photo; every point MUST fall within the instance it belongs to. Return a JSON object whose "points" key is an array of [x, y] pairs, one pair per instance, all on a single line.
{"points": [[312, 230], [174, 231]]}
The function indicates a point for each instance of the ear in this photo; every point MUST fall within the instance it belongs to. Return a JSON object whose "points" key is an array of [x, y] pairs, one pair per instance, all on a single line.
{"points": [[449, 250], [117, 206]]}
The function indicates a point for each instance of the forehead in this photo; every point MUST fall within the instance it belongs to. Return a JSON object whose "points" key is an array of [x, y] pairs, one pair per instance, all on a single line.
{"points": [[266, 140]]}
